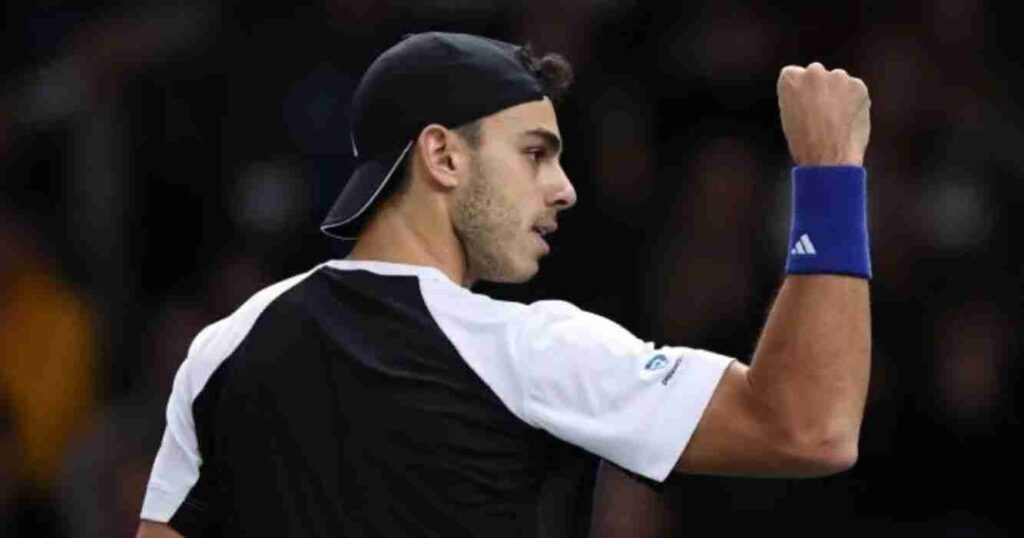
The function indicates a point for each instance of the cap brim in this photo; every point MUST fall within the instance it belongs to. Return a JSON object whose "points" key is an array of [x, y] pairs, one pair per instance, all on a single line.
{"points": [[350, 209]]}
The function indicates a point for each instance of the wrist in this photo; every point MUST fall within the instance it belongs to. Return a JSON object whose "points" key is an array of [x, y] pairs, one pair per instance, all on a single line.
{"points": [[828, 231], [853, 160]]}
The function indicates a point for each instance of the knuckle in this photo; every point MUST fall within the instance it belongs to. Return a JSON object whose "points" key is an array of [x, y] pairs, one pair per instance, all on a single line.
{"points": [[790, 71], [789, 77]]}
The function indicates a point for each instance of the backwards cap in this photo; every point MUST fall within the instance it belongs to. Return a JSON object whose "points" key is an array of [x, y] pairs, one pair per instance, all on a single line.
{"points": [[434, 77]]}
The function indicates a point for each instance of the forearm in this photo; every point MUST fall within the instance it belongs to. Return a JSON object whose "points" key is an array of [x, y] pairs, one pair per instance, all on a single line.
{"points": [[809, 375], [811, 366]]}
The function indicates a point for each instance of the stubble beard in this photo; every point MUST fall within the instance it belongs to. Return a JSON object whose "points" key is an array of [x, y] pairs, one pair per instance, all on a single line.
{"points": [[486, 221]]}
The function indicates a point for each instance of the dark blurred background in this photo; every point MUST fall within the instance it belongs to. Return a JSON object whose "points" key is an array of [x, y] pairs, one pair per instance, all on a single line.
{"points": [[161, 161]]}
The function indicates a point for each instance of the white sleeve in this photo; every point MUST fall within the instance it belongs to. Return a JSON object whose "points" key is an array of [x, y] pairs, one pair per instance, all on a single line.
{"points": [[176, 468], [590, 382]]}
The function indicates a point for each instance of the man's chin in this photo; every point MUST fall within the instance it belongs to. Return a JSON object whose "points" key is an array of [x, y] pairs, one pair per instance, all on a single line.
{"points": [[517, 274], [526, 276]]}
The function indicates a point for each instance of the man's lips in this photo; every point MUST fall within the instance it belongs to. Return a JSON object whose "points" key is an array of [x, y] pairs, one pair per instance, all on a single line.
{"points": [[545, 229]]}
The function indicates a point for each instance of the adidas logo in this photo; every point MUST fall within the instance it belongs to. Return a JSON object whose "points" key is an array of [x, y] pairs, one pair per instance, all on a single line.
{"points": [[804, 247]]}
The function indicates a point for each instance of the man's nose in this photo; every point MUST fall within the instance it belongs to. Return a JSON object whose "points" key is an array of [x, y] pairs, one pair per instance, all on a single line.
{"points": [[563, 193]]}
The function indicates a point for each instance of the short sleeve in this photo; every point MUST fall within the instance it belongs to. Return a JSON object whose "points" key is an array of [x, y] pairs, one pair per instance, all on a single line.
{"points": [[172, 495], [590, 382], [176, 468]]}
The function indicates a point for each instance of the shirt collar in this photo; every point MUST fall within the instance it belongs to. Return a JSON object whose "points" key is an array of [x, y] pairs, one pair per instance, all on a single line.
{"points": [[390, 268]]}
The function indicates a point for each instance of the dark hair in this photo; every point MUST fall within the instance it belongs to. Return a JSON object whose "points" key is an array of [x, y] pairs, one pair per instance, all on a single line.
{"points": [[553, 72]]}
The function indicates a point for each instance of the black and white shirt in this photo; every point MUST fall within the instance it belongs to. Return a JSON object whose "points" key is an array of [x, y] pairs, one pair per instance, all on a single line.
{"points": [[378, 399]]}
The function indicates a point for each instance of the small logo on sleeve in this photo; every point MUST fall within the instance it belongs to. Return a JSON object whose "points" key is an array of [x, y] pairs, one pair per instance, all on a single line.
{"points": [[672, 372], [656, 363]]}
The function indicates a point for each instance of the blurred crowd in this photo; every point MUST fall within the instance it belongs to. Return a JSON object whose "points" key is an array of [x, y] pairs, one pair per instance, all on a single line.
{"points": [[161, 161]]}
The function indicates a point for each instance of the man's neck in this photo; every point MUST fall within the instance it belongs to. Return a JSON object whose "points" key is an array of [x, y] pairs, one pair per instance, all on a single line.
{"points": [[392, 236]]}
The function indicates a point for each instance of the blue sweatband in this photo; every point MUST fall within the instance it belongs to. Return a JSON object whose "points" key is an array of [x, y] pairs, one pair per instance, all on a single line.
{"points": [[829, 232]]}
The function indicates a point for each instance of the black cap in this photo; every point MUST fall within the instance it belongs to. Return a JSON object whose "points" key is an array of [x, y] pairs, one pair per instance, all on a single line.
{"points": [[433, 77]]}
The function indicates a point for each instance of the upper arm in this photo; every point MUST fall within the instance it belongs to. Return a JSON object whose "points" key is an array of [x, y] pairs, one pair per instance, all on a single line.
{"points": [[152, 529], [737, 436]]}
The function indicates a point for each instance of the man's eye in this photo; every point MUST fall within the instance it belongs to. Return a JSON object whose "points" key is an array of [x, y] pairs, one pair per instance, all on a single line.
{"points": [[536, 154]]}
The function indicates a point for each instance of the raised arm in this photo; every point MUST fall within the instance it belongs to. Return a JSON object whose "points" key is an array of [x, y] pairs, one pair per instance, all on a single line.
{"points": [[797, 410]]}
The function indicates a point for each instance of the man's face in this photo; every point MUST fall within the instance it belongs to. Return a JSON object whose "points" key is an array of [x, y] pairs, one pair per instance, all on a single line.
{"points": [[515, 190]]}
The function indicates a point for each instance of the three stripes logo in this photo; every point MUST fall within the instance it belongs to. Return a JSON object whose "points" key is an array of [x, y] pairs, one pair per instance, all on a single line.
{"points": [[803, 247]]}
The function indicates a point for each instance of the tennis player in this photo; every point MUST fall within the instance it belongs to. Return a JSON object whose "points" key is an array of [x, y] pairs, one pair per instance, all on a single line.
{"points": [[378, 395]]}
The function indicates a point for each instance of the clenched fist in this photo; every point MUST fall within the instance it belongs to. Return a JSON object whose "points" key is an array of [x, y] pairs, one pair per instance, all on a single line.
{"points": [[825, 115]]}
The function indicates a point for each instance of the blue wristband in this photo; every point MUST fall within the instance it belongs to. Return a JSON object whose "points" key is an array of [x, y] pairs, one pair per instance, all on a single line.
{"points": [[829, 232]]}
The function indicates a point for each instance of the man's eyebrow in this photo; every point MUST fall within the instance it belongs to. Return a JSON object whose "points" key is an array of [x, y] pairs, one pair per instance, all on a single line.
{"points": [[550, 139]]}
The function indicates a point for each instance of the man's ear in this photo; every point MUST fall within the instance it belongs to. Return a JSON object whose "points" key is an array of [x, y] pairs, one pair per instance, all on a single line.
{"points": [[442, 154]]}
